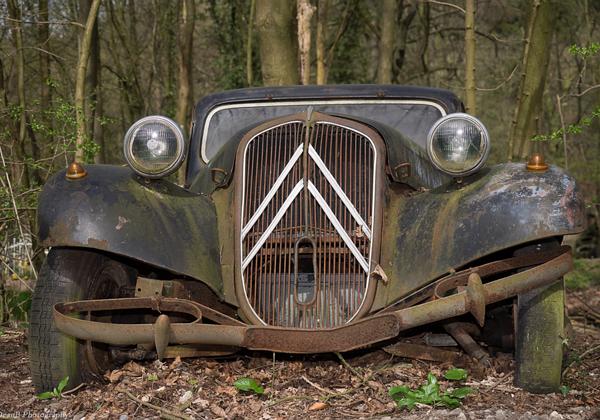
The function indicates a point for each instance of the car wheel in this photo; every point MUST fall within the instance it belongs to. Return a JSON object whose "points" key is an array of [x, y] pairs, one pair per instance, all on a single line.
{"points": [[539, 338], [68, 275]]}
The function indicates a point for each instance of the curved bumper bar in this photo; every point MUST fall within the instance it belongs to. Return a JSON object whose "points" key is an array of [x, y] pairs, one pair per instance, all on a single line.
{"points": [[473, 299]]}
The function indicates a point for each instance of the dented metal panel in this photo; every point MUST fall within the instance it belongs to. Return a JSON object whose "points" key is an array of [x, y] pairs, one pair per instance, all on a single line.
{"points": [[432, 233], [113, 210]]}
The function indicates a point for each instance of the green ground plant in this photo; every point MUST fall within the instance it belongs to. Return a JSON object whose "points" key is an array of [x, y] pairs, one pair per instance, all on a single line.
{"points": [[431, 393], [56, 392]]}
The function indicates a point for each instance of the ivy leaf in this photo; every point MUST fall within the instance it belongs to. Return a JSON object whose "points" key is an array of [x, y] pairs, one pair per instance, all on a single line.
{"points": [[462, 392], [408, 403], [450, 402], [62, 384], [249, 385], [456, 374], [45, 395], [395, 390]]}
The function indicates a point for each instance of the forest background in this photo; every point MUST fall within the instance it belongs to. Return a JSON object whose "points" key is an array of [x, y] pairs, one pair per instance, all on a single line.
{"points": [[75, 74]]}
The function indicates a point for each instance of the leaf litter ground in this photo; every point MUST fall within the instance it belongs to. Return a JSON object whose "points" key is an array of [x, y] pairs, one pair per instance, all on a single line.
{"points": [[300, 387]]}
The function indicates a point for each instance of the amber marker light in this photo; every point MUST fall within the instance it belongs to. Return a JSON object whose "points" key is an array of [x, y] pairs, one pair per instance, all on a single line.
{"points": [[536, 163], [75, 171]]}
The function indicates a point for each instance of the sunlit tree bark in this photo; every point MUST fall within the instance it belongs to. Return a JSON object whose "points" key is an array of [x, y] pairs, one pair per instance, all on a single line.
{"points": [[322, 9], [276, 37]]}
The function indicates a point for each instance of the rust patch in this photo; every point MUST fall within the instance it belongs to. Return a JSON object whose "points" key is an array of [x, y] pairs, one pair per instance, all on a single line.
{"points": [[97, 243]]}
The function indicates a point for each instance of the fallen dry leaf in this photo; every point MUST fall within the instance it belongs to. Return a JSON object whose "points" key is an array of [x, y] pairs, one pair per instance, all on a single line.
{"points": [[317, 406], [218, 411]]}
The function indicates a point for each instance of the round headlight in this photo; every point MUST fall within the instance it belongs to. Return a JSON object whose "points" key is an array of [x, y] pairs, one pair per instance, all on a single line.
{"points": [[458, 144], [154, 146]]}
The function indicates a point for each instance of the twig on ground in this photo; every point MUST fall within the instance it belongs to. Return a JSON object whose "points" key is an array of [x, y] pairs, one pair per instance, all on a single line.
{"points": [[314, 385], [70, 391], [164, 412], [581, 356], [345, 363], [290, 398]]}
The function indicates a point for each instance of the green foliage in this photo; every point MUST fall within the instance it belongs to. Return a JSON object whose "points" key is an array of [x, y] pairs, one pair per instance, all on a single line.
{"points": [[456, 374], [56, 392], [585, 52], [231, 22], [430, 392], [564, 390], [17, 304], [249, 385], [585, 273], [152, 377], [573, 129]]}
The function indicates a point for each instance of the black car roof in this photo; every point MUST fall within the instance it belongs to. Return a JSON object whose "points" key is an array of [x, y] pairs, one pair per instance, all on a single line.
{"points": [[444, 97]]}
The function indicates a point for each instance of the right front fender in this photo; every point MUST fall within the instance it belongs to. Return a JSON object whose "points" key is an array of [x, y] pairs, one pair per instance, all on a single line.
{"points": [[435, 232]]}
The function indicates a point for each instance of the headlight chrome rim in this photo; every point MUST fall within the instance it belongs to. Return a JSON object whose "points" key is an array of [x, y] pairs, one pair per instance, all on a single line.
{"points": [[485, 141], [128, 146]]}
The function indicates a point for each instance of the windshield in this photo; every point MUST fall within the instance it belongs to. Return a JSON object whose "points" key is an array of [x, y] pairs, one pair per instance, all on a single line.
{"points": [[412, 118]]}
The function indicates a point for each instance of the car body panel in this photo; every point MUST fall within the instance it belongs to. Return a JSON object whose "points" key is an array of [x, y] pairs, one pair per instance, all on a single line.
{"points": [[435, 232], [113, 210]]}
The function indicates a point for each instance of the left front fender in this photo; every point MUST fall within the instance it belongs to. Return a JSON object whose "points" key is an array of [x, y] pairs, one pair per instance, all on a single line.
{"points": [[116, 211]]}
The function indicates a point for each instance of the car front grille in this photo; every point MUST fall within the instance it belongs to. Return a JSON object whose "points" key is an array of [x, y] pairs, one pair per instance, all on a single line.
{"points": [[308, 221]]}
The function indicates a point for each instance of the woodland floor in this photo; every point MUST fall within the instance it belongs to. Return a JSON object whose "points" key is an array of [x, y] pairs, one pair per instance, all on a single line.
{"points": [[203, 388]]}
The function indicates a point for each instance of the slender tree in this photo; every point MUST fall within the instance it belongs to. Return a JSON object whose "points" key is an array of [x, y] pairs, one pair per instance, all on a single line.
{"points": [[305, 13], [322, 11], [186, 42], [14, 12], [249, 69], [536, 54], [275, 28], [389, 11], [470, 99], [82, 66]]}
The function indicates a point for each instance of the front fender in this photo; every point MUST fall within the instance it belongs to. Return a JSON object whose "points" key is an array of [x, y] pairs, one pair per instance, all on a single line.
{"points": [[114, 210], [435, 232]]}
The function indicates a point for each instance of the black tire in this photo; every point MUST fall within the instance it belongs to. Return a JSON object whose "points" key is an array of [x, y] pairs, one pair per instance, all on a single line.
{"points": [[68, 275]]}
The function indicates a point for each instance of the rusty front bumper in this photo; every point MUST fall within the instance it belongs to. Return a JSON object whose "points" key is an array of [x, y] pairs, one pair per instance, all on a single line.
{"points": [[363, 332]]}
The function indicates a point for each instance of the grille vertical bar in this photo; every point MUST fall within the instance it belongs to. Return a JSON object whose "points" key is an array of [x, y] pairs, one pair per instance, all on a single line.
{"points": [[309, 269]]}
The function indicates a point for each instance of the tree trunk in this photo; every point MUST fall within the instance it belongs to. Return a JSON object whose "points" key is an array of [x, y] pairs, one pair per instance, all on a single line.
{"points": [[389, 10], [186, 43], [536, 55], [321, 41], [470, 100], [249, 75], [305, 12], [424, 12], [16, 29], [275, 27], [82, 65], [404, 22], [44, 56], [93, 107]]}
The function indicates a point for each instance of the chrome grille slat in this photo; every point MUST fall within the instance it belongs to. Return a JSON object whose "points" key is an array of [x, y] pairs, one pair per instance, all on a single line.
{"points": [[337, 189]]}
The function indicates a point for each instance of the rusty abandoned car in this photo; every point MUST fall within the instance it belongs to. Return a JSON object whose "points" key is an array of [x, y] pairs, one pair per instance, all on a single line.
{"points": [[311, 220]]}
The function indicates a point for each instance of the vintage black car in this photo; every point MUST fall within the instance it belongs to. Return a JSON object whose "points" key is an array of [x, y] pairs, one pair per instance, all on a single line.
{"points": [[312, 220]]}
